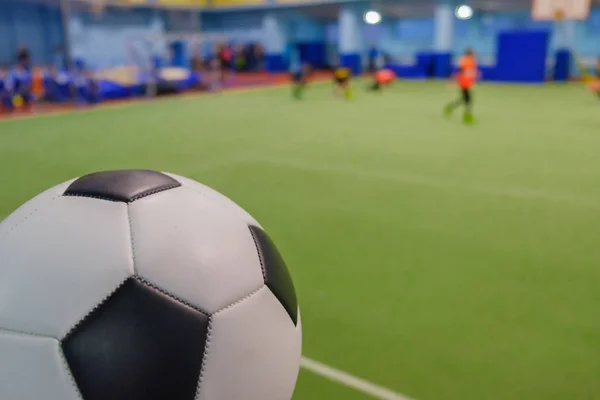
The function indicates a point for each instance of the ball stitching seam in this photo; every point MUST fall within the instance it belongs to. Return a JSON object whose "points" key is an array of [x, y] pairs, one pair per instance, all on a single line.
{"points": [[12, 228], [204, 356], [134, 198], [164, 292], [141, 196], [246, 297], [209, 336], [131, 240], [259, 252], [32, 334], [69, 372], [70, 331]]}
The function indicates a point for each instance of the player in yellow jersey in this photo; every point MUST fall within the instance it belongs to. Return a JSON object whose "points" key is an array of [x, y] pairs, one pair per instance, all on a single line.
{"points": [[341, 80]]}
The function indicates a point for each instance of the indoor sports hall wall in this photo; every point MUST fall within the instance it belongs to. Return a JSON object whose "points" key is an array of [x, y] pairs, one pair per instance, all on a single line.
{"points": [[103, 41], [106, 41], [243, 26], [35, 26], [246, 26], [403, 38], [302, 32]]}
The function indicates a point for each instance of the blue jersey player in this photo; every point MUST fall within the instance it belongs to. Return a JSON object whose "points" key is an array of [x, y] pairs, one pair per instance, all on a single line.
{"points": [[6, 90]]}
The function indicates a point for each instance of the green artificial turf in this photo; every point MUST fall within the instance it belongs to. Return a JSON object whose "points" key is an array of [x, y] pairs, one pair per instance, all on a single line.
{"points": [[441, 261]]}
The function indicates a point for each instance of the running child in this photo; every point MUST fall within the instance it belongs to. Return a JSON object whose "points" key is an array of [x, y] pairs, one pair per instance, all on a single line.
{"points": [[299, 77], [22, 80], [341, 81], [594, 85], [465, 78]]}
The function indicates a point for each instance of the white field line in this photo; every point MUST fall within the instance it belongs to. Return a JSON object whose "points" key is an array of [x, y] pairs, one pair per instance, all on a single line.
{"points": [[345, 379]]}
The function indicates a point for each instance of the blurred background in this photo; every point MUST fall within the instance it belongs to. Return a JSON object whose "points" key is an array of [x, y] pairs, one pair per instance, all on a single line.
{"points": [[120, 41]]}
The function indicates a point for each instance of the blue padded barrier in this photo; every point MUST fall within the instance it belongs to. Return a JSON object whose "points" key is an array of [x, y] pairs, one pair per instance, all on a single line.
{"points": [[313, 53], [403, 71], [562, 65], [275, 63], [488, 72], [442, 65], [522, 56], [426, 63], [352, 61]]}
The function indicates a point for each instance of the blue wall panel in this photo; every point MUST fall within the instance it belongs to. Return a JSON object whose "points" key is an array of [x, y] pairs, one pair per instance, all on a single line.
{"points": [[522, 56]]}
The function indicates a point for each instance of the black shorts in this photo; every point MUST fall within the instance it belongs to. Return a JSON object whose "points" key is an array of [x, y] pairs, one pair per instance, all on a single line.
{"points": [[297, 77], [223, 64], [466, 96], [340, 81]]}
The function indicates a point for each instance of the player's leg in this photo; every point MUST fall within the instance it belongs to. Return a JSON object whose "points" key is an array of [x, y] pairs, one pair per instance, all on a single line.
{"points": [[337, 87], [347, 89], [594, 87], [375, 86], [468, 101], [299, 84], [222, 72], [27, 101], [296, 90], [450, 107]]}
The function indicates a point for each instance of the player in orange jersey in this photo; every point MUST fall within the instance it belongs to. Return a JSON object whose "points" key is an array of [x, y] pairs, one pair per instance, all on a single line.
{"points": [[465, 78], [383, 78], [594, 85]]}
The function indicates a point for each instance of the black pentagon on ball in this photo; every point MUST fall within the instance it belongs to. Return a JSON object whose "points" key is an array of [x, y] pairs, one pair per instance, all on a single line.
{"points": [[275, 272], [121, 185], [140, 343]]}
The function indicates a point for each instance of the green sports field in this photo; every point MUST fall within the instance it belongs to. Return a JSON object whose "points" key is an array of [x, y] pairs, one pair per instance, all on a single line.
{"points": [[440, 261]]}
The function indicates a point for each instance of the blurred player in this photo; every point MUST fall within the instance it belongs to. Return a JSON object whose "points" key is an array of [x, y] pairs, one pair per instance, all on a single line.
{"points": [[22, 80], [383, 78], [224, 56], [465, 78], [341, 81], [594, 85], [214, 74], [6, 90], [299, 76]]}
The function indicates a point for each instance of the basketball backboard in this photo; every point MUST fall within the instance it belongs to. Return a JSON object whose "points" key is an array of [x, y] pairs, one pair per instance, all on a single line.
{"points": [[552, 10]]}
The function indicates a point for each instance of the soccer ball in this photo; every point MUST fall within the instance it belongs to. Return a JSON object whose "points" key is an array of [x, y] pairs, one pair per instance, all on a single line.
{"points": [[134, 284]]}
